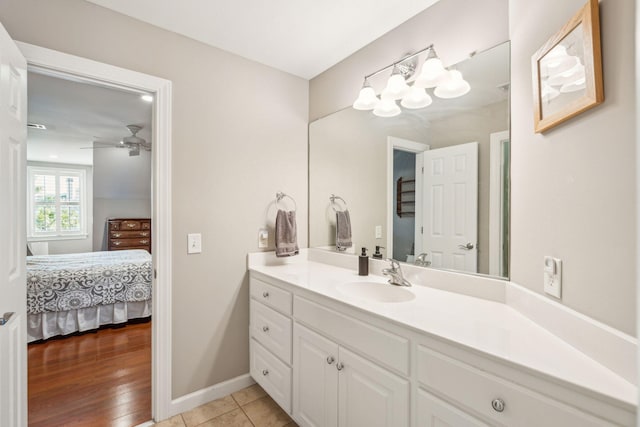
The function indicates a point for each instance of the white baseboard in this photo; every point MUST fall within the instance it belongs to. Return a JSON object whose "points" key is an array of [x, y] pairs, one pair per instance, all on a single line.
{"points": [[206, 395]]}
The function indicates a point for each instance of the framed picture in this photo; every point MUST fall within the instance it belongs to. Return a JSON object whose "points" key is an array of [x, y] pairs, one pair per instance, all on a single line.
{"points": [[567, 70]]}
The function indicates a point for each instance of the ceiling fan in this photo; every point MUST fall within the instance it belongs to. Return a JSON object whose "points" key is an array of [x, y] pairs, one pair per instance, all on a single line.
{"points": [[132, 142]]}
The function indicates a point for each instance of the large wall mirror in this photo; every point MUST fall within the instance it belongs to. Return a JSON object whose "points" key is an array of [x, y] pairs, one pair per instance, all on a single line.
{"points": [[431, 185]]}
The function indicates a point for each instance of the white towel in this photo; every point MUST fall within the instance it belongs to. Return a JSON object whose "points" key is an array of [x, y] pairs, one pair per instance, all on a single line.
{"points": [[343, 230]]}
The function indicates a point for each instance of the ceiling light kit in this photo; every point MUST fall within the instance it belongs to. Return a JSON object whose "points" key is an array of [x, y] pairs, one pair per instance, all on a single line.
{"points": [[447, 83]]}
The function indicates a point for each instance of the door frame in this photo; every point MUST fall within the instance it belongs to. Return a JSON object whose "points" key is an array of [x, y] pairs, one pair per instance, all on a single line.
{"points": [[496, 202], [73, 67], [395, 143]]}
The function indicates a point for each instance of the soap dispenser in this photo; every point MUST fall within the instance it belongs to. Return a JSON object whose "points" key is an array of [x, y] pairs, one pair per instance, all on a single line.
{"points": [[363, 263], [377, 254]]}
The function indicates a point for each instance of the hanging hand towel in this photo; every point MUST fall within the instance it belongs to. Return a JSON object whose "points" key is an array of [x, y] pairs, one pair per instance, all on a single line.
{"points": [[343, 230], [286, 234]]}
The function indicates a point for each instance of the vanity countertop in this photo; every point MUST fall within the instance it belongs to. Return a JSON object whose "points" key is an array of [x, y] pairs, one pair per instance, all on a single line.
{"points": [[493, 328]]}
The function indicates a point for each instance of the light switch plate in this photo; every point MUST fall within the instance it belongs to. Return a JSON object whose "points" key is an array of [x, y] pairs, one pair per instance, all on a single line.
{"points": [[553, 276], [263, 238], [194, 243], [378, 232]]}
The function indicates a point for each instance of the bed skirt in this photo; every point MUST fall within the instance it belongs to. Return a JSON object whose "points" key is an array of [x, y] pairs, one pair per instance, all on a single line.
{"points": [[49, 324]]}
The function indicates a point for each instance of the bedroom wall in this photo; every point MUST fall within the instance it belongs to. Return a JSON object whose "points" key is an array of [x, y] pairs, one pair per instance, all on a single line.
{"points": [[239, 136], [121, 189]]}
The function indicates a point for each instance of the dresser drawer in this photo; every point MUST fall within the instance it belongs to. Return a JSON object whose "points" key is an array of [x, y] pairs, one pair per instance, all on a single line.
{"points": [[129, 234], [272, 375], [476, 390], [128, 243], [271, 295], [130, 225], [271, 329], [380, 345]]}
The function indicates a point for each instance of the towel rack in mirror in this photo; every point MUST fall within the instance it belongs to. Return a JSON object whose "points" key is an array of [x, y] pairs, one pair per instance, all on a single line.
{"points": [[335, 204]]}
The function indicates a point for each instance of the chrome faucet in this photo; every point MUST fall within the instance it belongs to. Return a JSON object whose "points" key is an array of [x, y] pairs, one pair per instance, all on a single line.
{"points": [[395, 274], [422, 261]]}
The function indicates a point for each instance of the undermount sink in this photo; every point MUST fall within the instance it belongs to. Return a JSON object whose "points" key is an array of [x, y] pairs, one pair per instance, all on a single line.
{"points": [[376, 291]]}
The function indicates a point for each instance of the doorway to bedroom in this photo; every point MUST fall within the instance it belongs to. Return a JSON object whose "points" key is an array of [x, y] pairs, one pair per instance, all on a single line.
{"points": [[89, 210]]}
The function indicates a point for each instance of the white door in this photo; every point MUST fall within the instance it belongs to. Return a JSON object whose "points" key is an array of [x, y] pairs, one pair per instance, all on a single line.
{"points": [[369, 395], [433, 412], [315, 379], [13, 296], [449, 231]]}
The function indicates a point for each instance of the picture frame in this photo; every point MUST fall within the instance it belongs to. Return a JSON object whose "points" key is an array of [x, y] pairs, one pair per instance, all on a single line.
{"points": [[567, 70]]}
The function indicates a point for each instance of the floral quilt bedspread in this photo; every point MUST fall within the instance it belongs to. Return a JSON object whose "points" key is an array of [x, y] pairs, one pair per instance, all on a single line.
{"points": [[74, 281]]}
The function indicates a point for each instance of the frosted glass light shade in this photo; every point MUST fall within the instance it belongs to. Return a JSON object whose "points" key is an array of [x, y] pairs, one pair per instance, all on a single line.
{"points": [[396, 87], [367, 99], [387, 108], [416, 98], [454, 87], [433, 74]]}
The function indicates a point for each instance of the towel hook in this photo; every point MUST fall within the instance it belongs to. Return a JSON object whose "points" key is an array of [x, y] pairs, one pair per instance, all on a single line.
{"points": [[280, 195], [333, 199]]}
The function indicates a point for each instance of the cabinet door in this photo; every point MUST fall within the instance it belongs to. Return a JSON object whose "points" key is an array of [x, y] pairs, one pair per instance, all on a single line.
{"points": [[315, 379], [433, 412], [369, 395]]}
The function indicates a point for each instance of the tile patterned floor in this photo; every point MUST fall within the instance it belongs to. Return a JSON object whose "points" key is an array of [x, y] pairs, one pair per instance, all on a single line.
{"points": [[249, 407]]}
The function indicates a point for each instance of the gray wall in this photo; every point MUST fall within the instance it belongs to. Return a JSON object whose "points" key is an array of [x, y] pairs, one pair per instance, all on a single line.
{"points": [[121, 189], [239, 136], [573, 193]]}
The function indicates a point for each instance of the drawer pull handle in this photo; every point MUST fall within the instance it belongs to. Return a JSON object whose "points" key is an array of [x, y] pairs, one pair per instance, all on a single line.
{"points": [[131, 225], [144, 242], [116, 243], [330, 360], [144, 234], [339, 366], [265, 294], [265, 328], [498, 405], [117, 234], [265, 372]]}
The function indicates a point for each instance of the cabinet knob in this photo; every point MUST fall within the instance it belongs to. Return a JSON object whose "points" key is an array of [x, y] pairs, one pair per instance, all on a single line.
{"points": [[265, 328], [339, 366], [497, 405], [265, 372], [265, 294], [330, 360]]}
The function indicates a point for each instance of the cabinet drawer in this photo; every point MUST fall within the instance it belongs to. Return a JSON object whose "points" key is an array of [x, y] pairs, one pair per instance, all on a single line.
{"points": [[271, 295], [272, 375], [390, 349], [271, 329], [127, 243], [130, 225], [433, 412], [129, 234], [476, 389]]}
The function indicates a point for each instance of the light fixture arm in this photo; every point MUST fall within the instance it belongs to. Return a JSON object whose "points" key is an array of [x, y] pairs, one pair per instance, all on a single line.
{"points": [[399, 62]]}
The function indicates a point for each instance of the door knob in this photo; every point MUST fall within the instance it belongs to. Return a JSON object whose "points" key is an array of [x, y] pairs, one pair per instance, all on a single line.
{"points": [[467, 247]]}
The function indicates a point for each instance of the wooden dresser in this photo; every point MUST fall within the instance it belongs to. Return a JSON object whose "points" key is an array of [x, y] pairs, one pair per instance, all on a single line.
{"points": [[129, 233]]}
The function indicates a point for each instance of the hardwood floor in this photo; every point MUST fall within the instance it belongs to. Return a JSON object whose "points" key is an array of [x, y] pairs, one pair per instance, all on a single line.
{"points": [[99, 378]]}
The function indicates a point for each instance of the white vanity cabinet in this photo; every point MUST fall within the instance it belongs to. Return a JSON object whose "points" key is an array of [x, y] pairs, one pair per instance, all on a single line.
{"points": [[328, 363], [336, 387]]}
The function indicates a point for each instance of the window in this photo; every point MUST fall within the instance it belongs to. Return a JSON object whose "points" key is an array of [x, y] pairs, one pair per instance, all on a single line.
{"points": [[57, 199]]}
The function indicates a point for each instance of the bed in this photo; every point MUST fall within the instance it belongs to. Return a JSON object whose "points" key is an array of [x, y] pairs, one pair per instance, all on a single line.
{"points": [[79, 292]]}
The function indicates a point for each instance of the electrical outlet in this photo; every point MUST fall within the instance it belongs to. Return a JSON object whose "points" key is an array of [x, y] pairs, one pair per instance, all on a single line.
{"points": [[553, 276], [378, 232], [263, 238], [194, 243]]}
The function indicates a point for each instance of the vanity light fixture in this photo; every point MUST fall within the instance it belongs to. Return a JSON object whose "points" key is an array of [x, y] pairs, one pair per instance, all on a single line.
{"points": [[447, 83]]}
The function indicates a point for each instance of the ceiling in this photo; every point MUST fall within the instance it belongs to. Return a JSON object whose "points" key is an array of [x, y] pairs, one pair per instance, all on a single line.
{"points": [[301, 37], [76, 114]]}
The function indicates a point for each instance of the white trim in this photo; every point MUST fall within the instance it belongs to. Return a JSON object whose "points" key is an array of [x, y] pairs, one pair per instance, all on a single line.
{"points": [[62, 64], [495, 201], [207, 394], [394, 143]]}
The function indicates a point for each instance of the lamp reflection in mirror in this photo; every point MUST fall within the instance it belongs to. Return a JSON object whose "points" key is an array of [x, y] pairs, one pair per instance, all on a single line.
{"points": [[416, 98], [387, 108], [453, 87], [396, 85], [433, 72]]}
